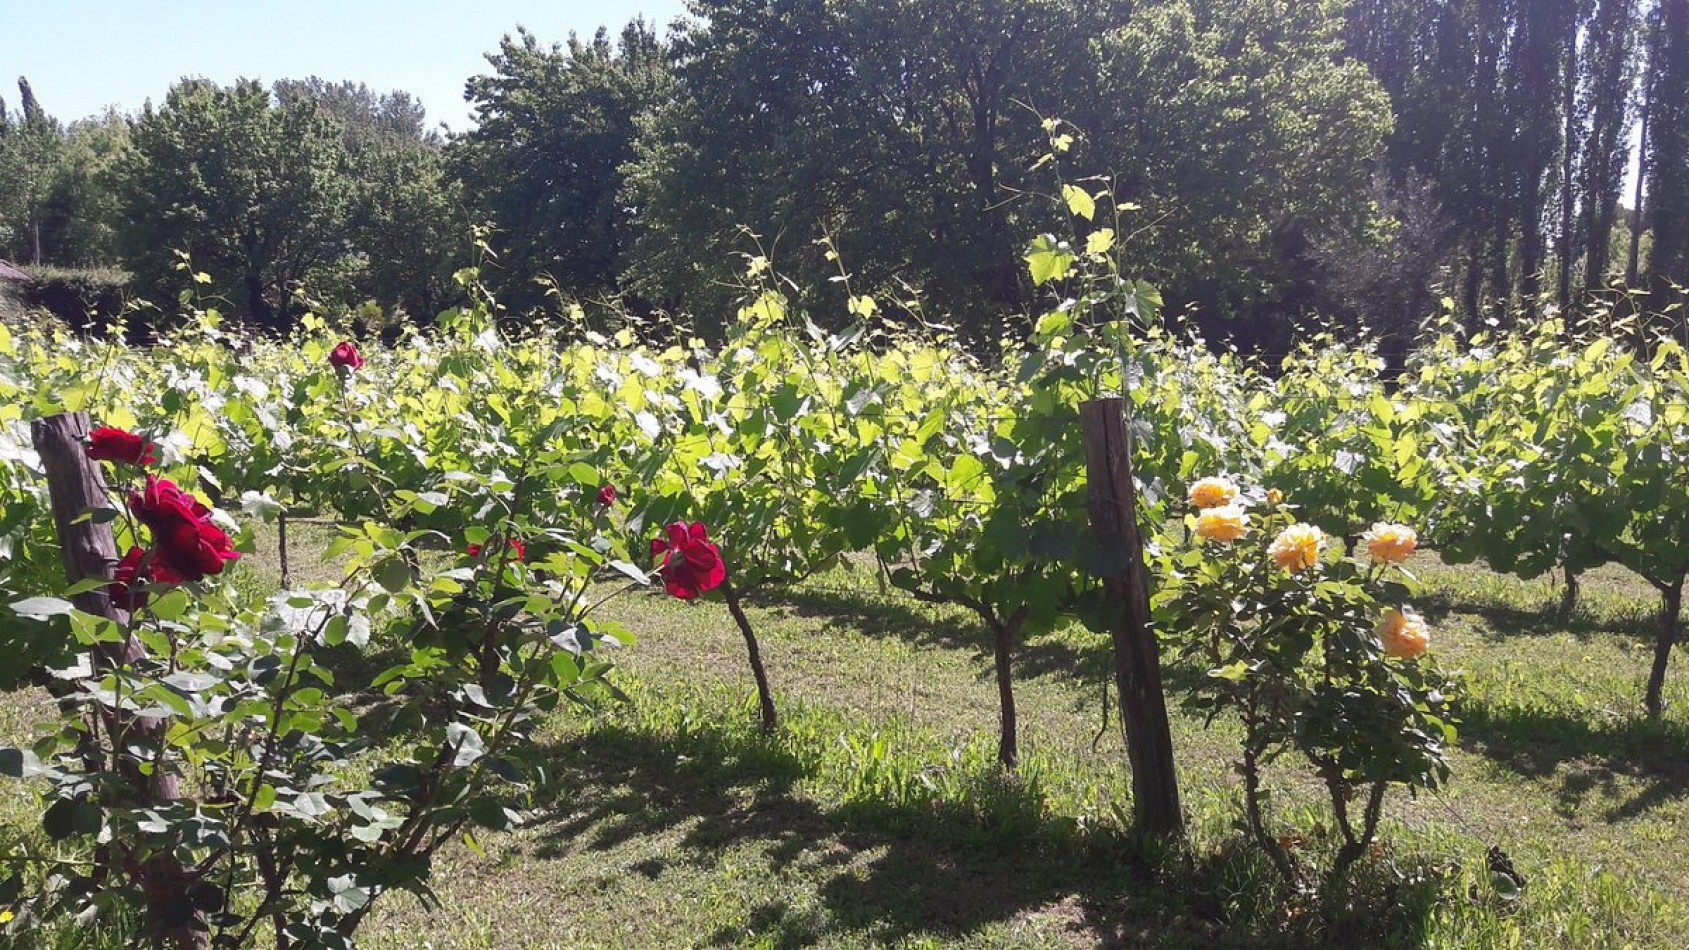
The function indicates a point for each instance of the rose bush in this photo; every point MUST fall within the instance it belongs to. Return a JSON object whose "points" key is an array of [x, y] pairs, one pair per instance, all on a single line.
{"points": [[204, 771], [1322, 659]]}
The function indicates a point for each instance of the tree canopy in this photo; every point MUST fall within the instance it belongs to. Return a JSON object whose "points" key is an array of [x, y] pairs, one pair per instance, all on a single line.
{"points": [[1353, 159]]}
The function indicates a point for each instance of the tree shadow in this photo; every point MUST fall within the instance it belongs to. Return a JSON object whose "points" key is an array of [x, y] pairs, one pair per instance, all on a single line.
{"points": [[882, 616], [883, 870], [1539, 743], [1503, 620]]}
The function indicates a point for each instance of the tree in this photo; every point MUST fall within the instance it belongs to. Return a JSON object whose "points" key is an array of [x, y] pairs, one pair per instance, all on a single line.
{"points": [[544, 163], [30, 147], [1380, 267], [1535, 84], [1521, 113], [1667, 212], [406, 224], [1237, 126], [81, 214], [906, 134], [368, 119], [1605, 103], [255, 193], [900, 134]]}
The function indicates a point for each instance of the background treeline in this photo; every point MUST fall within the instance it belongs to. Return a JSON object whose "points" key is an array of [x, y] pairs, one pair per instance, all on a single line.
{"points": [[1272, 160]]}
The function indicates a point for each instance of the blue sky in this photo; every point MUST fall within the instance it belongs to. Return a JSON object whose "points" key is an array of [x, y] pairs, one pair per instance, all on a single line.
{"points": [[83, 55]]}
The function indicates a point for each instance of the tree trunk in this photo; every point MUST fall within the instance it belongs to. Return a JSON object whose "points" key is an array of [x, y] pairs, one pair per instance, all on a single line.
{"points": [[1502, 280], [257, 305], [1569, 594], [765, 695], [1473, 286], [1008, 748], [1636, 219], [76, 485], [1671, 626], [1567, 175]]}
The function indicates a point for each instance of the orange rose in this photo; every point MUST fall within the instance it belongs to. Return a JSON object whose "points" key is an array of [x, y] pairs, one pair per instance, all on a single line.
{"points": [[1274, 498], [1212, 493], [1403, 634], [1224, 523], [1297, 547], [1390, 543]]}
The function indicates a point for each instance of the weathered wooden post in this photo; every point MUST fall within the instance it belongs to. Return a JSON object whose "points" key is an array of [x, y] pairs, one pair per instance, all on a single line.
{"points": [[1112, 500], [76, 487]]}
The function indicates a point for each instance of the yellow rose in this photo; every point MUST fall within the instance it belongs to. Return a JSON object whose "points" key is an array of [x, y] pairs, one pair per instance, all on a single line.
{"points": [[1390, 543], [1297, 547], [1212, 493], [1274, 498], [1223, 523], [1403, 634]]}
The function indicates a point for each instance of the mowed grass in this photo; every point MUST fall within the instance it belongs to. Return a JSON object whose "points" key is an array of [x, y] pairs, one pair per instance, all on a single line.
{"points": [[876, 815]]}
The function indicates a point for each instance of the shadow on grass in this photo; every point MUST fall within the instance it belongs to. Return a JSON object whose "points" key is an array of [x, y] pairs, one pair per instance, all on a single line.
{"points": [[880, 616], [890, 870], [1637, 764], [1505, 620]]}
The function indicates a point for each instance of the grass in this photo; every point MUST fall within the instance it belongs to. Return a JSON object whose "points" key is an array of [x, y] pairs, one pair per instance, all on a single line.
{"points": [[876, 816]]}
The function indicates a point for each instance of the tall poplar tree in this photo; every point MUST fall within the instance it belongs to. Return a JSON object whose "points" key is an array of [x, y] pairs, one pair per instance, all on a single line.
{"points": [[1608, 69], [1667, 212]]}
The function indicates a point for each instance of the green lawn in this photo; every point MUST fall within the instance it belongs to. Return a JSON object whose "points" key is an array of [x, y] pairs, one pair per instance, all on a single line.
{"points": [[877, 817]]}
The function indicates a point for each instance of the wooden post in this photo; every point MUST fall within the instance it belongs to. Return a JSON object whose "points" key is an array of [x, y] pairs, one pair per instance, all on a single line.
{"points": [[1137, 664], [76, 486]]}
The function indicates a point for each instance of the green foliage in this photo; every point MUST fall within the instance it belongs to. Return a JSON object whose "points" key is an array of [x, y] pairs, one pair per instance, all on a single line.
{"points": [[905, 135], [318, 188], [963, 478], [544, 161], [1289, 130], [83, 298], [245, 189], [30, 147], [291, 820], [81, 215], [1666, 85]]}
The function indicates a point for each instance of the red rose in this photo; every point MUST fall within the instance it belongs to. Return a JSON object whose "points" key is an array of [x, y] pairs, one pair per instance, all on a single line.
{"points": [[187, 546], [607, 495], [107, 444], [516, 547], [691, 564], [121, 589], [345, 355]]}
